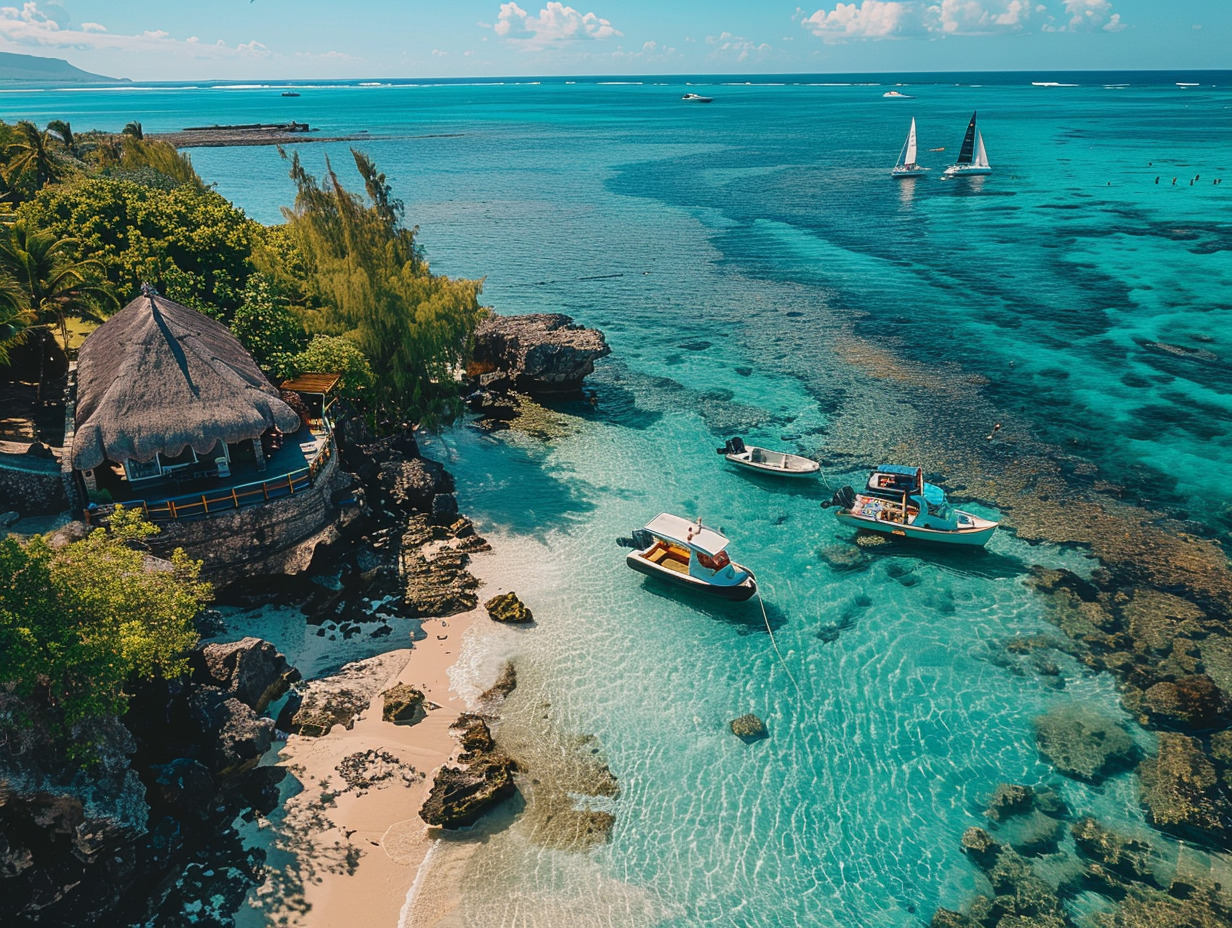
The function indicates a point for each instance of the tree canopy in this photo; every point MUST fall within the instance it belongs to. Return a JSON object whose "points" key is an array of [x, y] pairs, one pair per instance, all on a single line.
{"points": [[78, 623], [364, 278]]}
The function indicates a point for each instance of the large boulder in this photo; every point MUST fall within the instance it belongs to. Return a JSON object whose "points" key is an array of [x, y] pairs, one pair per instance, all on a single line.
{"points": [[1083, 744], [506, 607], [403, 703], [251, 670], [233, 736], [537, 353], [460, 795]]}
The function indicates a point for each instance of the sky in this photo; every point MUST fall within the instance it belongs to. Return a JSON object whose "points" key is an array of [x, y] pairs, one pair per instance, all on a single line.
{"points": [[172, 40]]}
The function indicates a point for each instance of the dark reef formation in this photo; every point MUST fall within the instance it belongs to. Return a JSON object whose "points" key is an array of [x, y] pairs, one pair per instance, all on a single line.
{"points": [[536, 354]]}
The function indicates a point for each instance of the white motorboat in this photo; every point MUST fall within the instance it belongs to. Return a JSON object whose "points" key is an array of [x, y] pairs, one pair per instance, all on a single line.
{"points": [[690, 555], [895, 95], [897, 502], [972, 158], [906, 166], [765, 461], [696, 98]]}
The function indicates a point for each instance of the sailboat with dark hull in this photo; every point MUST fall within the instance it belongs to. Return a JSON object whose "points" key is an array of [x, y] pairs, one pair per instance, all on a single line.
{"points": [[972, 158], [906, 166]]}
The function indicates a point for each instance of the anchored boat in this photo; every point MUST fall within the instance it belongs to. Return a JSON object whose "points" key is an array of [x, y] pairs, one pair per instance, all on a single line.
{"points": [[897, 502], [689, 554], [972, 158], [906, 166], [765, 461], [696, 98]]}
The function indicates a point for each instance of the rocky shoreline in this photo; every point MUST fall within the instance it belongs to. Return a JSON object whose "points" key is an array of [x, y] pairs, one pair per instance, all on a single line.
{"points": [[132, 834]]}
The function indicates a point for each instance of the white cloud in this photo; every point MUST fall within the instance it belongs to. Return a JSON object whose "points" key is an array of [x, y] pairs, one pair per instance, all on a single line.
{"points": [[730, 46], [888, 19], [48, 26], [439, 53], [554, 25]]}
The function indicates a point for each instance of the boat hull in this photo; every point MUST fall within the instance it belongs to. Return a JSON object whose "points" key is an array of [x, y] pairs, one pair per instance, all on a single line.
{"points": [[956, 171], [770, 470], [733, 593], [908, 172], [975, 537]]}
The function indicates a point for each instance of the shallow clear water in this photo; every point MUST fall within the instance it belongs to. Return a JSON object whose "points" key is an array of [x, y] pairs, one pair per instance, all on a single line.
{"points": [[726, 250]]}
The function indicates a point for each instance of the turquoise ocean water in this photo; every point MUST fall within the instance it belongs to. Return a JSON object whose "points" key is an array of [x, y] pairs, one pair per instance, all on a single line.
{"points": [[757, 271]]}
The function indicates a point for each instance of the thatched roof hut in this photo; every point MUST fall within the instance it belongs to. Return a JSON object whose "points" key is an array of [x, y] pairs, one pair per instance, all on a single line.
{"points": [[158, 377]]}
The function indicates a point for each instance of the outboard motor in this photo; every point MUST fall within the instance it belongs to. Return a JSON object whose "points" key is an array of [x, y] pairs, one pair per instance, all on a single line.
{"points": [[735, 445], [844, 499], [639, 539]]}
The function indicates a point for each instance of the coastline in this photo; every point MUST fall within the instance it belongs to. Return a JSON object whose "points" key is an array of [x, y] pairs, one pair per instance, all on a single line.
{"points": [[362, 849]]}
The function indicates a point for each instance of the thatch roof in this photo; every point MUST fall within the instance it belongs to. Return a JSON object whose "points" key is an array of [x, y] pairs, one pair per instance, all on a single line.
{"points": [[158, 377]]}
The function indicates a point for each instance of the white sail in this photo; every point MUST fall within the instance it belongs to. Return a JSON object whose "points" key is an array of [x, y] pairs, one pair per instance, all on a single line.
{"points": [[981, 156], [908, 155]]}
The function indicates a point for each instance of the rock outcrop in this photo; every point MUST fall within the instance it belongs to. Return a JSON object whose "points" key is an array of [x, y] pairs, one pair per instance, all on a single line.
{"points": [[461, 794], [508, 608], [536, 353], [339, 699], [251, 670], [403, 703], [749, 728], [1182, 793]]}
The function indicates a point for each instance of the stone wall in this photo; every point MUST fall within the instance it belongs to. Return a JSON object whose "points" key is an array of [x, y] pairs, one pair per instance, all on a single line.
{"points": [[30, 482], [275, 538]]}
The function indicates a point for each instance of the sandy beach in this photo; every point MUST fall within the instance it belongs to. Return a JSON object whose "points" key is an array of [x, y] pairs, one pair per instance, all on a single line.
{"points": [[360, 846]]}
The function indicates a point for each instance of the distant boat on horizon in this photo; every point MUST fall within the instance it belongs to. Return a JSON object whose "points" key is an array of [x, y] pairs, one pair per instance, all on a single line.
{"points": [[906, 166], [696, 98], [290, 93], [972, 158], [895, 95]]}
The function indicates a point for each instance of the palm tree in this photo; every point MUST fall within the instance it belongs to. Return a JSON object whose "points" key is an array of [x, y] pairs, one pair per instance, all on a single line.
{"points": [[31, 153], [64, 132], [54, 284], [15, 316]]}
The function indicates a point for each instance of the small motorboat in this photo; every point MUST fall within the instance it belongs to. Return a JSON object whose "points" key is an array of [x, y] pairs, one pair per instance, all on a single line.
{"points": [[290, 93], [895, 95], [696, 98], [897, 502], [765, 461], [689, 554]]}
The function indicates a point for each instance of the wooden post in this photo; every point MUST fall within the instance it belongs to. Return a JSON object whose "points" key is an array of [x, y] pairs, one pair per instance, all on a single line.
{"points": [[259, 452]]}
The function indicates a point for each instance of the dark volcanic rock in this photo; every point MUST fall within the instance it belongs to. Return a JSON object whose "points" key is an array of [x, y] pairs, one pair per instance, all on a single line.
{"points": [[460, 795], [251, 670], [1010, 799], [183, 785], [438, 585], [749, 728], [1181, 790], [1083, 744], [538, 353], [403, 703], [236, 736], [508, 608], [413, 484]]}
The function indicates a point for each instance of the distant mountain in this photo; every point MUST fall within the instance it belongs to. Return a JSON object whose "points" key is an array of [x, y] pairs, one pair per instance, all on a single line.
{"points": [[45, 71]]}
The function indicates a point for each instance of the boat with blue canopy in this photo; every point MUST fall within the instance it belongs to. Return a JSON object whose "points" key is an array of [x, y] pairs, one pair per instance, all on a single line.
{"points": [[897, 502]]}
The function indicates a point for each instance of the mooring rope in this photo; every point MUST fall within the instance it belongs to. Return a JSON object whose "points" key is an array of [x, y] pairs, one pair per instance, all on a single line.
{"points": [[770, 631]]}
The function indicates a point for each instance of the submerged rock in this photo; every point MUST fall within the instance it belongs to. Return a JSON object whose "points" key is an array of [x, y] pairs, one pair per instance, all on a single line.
{"points": [[1083, 744], [403, 703], [749, 728], [1181, 790], [1192, 703], [1010, 799], [1127, 858], [506, 683], [508, 608]]}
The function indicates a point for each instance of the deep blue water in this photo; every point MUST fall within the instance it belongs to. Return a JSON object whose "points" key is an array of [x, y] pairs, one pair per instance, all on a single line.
{"points": [[744, 257]]}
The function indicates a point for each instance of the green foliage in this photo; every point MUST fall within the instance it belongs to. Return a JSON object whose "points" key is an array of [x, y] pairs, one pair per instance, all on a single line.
{"points": [[15, 317], [31, 159], [156, 162], [191, 243], [48, 279], [78, 623], [336, 354], [365, 278], [267, 326]]}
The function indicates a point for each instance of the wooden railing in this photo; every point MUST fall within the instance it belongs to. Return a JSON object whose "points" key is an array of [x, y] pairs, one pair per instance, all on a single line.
{"points": [[211, 502]]}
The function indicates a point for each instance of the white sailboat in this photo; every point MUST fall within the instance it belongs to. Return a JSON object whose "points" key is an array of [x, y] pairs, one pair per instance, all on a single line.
{"points": [[906, 166], [972, 158]]}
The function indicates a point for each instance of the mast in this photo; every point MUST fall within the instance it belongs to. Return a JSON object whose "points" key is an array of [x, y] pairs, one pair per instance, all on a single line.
{"points": [[968, 143]]}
